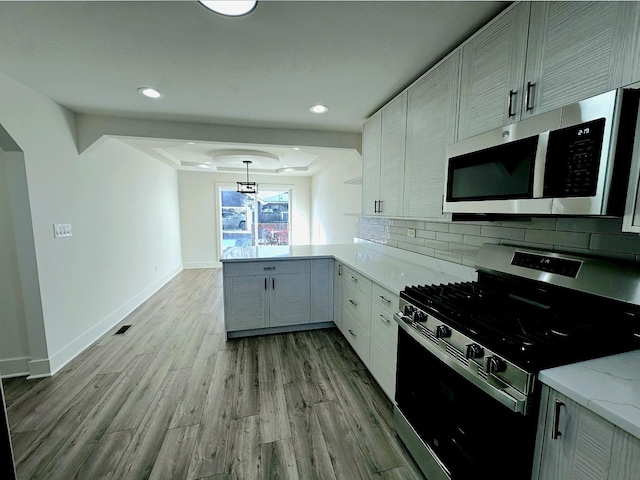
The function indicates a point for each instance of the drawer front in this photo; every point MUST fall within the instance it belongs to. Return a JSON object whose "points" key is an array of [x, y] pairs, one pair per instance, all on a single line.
{"points": [[357, 280], [357, 336], [383, 297], [278, 267], [357, 304], [383, 370], [384, 329]]}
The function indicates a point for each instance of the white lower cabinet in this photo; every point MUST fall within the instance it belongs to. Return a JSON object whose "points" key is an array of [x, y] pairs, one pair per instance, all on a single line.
{"points": [[368, 325], [276, 294], [575, 443]]}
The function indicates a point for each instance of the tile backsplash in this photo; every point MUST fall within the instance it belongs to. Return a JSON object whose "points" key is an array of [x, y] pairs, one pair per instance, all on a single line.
{"points": [[459, 242]]}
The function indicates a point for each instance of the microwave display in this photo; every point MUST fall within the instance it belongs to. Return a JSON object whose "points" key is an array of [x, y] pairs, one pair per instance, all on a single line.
{"points": [[573, 160], [500, 172]]}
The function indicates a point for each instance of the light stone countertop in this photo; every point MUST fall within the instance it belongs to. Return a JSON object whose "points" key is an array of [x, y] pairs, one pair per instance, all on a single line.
{"points": [[608, 386], [390, 267]]}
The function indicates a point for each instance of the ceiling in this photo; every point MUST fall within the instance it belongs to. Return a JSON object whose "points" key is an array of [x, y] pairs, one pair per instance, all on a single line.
{"points": [[263, 70]]}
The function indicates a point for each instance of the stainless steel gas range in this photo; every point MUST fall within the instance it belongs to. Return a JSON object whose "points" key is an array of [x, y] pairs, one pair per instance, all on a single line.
{"points": [[469, 354]]}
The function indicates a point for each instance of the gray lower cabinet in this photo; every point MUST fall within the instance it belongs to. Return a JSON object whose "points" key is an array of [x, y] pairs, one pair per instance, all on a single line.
{"points": [[276, 295], [337, 294], [575, 443]]}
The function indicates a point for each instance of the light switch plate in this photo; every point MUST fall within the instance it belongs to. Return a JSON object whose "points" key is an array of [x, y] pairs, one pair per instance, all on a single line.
{"points": [[411, 232], [61, 230]]}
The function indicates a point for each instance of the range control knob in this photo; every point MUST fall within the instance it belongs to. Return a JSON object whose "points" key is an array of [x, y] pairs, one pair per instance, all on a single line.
{"points": [[442, 331], [408, 310], [496, 365], [474, 351], [419, 317]]}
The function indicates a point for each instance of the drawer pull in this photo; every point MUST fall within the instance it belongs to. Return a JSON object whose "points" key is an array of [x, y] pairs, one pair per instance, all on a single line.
{"points": [[269, 268], [353, 278], [555, 433], [384, 299], [351, 332], [384, 319], [353, 303]]}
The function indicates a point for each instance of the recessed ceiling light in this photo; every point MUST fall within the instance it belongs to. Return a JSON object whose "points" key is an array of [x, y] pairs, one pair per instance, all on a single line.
{"points": [[230, 8], [149, 92], [318, 108]]}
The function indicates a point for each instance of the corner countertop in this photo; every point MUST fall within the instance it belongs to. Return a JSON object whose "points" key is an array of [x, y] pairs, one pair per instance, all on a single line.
{"points": [[390, 267], [608, 386]]}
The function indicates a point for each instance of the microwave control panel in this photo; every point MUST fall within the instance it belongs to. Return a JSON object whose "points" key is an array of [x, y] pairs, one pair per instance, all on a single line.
{"points": [[573, 160]]}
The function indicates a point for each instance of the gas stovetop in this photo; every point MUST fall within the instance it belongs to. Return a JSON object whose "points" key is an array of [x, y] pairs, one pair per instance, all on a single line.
{"points": [[537, 309]]}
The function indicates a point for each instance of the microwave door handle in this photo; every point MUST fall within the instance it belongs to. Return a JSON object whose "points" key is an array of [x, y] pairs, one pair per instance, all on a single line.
{"points": [[539, 165]]}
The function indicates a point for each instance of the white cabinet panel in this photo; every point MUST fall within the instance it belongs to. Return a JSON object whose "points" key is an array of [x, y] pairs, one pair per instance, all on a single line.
{"points": [[337, 294], [394, 128], [322, 290], [371, 151], [432, 113], [493, 73], [290, 299], [246, 303]]}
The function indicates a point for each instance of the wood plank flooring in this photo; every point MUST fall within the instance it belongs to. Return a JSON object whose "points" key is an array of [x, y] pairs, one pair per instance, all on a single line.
{"points": [[170, 399]]}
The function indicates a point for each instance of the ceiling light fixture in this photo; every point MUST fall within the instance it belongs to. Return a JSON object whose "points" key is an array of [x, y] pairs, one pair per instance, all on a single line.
{"points": [[318, 108], [149, 92], [230, 8], [247, 187]]}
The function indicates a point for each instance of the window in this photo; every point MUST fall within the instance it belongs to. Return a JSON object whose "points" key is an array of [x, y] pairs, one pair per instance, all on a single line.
{"points": [[249, 220]]}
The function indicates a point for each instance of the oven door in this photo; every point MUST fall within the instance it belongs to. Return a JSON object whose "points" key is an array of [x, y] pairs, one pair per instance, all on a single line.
{"points": [[468, 433]]}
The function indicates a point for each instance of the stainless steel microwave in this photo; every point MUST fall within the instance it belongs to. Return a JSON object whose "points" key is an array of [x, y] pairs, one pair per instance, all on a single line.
{"points": [[570, 161]]}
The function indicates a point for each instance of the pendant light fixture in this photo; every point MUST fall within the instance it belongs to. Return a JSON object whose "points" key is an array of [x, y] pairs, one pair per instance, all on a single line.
{"points": [[247, 187]]}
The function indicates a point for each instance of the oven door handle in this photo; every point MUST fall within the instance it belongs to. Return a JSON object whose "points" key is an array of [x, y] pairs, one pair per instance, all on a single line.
{"points": [[513, 403]]}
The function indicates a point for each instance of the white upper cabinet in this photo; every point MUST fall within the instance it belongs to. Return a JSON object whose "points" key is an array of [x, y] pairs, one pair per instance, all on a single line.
{"points": [[371, 134], [539, 56], [383, 150], [574, 52], [493, 73], [394, 132], [431, 125]]}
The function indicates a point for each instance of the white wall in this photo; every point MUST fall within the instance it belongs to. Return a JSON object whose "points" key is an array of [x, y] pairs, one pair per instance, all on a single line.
{"points": [[332, 198], [198, 202], [123, 208]]}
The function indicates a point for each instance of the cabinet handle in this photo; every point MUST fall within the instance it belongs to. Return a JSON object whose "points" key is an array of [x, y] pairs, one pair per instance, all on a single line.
{"points": [[527, 100], [269, 268], [512, 94], [384, 319], [384, 299], [353, 303], [351, 332], [265, 283], [555, 433], [339, 269], [379, 206], [375, 206], [273, 283], [353, 278]]}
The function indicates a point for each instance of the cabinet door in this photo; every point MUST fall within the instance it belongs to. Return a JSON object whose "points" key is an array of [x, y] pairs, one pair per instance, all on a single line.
{"points": [[394, 132], [321, 290], [584, 447], [289, 300], [573, 52], [432, 110], [493, 73], [371, 134], [337, 295], [246, 302]]}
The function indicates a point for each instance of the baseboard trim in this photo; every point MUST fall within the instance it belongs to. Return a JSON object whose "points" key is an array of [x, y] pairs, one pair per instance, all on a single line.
{"points": [[190, 265], [14, 367], [69, 352], [39, 368]]}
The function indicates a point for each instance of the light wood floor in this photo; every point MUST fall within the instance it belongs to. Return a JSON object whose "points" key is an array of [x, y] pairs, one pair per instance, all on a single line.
{"points": [[170, 399]]}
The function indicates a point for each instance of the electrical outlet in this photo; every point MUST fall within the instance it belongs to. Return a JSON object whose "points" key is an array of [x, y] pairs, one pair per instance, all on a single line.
{"points": [[411, 232]]}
